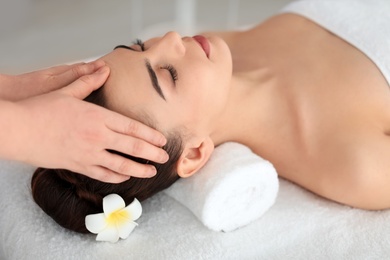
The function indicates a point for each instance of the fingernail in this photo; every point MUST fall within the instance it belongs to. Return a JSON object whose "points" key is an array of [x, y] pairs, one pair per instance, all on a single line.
{"points": [[163, 141], [153, 171], [99, 63], [165, 157], [102, 70], [95, 65]]}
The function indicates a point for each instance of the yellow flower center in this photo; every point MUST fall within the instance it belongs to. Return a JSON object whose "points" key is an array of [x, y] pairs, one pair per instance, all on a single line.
{"points": [[118, 217]]}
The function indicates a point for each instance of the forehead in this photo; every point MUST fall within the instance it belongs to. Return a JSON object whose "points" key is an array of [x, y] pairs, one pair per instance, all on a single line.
{"points": [[127, 89], [120, 58]]}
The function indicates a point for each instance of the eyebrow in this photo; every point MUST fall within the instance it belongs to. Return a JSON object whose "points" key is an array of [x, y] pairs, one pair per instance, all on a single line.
{"points": [[152, 73], [153, 78]]}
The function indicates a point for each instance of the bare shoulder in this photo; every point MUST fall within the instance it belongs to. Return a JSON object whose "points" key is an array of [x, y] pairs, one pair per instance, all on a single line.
{"points": [[367, 180], [352, 170]]}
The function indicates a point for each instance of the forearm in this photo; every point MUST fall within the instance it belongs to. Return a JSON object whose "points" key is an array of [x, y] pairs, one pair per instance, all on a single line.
{"points": [[14, 131], [8, 91]]}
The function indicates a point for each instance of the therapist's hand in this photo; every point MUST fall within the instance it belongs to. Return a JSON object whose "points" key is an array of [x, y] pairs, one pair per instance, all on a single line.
{"points": [[66, 132], [39, 82]]}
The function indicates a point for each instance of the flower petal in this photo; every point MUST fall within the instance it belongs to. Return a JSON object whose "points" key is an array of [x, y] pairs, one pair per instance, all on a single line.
{"points": [[111, 203], [109, 234], [95, 222], [134, 209], [126, 229]]}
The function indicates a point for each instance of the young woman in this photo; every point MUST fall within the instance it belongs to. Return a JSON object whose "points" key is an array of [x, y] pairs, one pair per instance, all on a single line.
{"points": [[298, 95]]}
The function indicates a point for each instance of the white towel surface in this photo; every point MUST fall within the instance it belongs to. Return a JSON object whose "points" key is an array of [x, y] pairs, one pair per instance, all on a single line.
{"points": [[300, 225], [234, 188], [362, 23]]}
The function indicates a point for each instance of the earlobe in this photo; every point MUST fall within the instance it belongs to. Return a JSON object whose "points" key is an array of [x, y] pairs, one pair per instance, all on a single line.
{"points": [[194, 157]]}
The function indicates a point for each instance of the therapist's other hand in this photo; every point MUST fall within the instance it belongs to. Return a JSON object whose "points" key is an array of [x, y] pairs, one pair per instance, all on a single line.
{"points": [[73, 134], [46, 80]]}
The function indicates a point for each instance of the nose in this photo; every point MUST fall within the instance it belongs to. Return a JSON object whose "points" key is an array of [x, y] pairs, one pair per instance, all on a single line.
{"points": [[172, 42]]}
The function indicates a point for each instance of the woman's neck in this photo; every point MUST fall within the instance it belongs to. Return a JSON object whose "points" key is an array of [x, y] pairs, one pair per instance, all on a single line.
{"points": [[247, 112], [262, 109]]}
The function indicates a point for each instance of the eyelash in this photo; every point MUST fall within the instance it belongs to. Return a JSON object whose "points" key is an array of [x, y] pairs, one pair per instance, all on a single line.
{"points": [[168, 67], [171, 70], [140, 43]]}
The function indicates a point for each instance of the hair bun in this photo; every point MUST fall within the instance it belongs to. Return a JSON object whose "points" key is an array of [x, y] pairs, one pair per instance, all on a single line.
{"points": [[63, 195], [81, 186]]}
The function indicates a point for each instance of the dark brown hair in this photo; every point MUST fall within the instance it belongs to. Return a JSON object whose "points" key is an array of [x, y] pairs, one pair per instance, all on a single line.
{"points": [[68, 197]]}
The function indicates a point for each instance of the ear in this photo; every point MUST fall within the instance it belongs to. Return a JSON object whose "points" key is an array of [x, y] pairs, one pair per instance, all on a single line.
{"points": [[194, 157]]}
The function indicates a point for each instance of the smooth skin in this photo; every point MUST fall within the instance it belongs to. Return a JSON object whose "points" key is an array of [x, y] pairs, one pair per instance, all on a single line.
{"points": [[45, 123], [296, 94], [321, 110]]}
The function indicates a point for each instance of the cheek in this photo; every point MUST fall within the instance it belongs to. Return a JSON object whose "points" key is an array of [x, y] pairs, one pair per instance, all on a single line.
{"points": [[214, 86], [203, 92], [201, 105], [206, 86]]}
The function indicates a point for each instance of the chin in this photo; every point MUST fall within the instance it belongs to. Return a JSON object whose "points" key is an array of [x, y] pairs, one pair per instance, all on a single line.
{"points": [[218, 47], [220, 52]]}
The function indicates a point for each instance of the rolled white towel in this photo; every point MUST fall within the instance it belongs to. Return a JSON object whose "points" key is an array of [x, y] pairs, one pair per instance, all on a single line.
{"points": [[233, 189]]}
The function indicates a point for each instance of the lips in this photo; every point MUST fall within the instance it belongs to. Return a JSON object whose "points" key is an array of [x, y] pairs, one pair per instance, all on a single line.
{"points": [[204, 43]]}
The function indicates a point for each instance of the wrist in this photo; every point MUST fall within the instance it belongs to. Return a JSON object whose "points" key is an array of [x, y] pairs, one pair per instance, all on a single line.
{"points": [[14, 131]]}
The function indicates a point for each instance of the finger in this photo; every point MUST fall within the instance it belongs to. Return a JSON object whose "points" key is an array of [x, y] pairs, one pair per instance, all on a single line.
{"points": [[131, 127], [137, 148], [49, 72], [73, 72], [124, 166], [62, 68], [82, 87], [106, 175]]}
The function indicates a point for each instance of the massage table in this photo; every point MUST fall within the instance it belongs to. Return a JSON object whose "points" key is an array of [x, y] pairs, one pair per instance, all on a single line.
{"points": [[300, 225]]}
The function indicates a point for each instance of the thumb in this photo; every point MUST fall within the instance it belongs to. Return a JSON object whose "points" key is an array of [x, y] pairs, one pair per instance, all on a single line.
{"points": [[84, 86]]}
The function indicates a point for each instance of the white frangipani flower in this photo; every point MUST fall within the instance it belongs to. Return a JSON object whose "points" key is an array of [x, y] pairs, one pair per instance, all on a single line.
{"points": [[116, 221]]}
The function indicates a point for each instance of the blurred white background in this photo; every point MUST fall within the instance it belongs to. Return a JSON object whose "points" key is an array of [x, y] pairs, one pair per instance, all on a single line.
{"points": [[41, 33]]}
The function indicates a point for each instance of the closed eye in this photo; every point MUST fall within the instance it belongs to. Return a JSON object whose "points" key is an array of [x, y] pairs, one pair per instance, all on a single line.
{"points": [[172, 71], [168, 67]]}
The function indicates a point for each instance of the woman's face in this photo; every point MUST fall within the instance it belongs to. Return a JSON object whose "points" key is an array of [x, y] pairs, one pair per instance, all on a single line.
{"points": [[174, 80]]}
